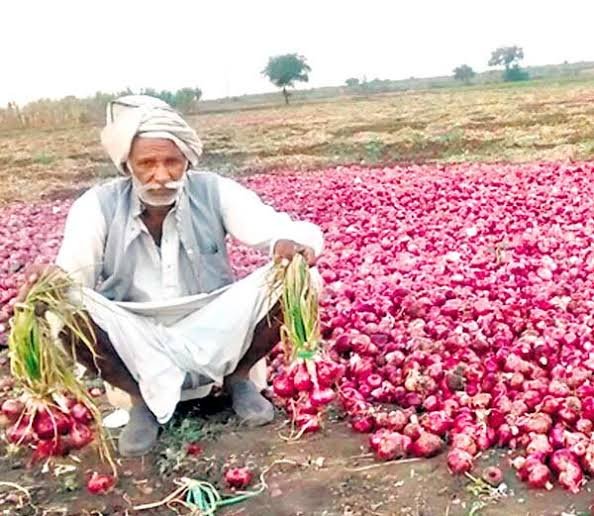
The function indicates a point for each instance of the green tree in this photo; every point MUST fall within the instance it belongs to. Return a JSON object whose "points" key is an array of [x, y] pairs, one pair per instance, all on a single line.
{"points": [[164, 95], [510, 58], [507, 56], [283, 71], [351, 82], [186, 99], [464, 73]]}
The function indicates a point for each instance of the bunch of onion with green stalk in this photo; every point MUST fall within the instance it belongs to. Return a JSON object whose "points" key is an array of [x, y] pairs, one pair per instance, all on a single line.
{"points": [[54, 414], [305, 384]]}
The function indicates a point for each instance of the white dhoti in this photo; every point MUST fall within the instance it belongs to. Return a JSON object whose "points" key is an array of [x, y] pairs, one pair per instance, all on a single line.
{"points": [[204, 335]]}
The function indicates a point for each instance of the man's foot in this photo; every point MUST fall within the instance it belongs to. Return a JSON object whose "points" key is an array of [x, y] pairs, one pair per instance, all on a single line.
{"points": [[252, 408], [140, 434]]}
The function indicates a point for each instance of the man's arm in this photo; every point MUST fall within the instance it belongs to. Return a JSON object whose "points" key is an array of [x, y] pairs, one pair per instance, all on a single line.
{"points": [[81, 253], [258, 225]]}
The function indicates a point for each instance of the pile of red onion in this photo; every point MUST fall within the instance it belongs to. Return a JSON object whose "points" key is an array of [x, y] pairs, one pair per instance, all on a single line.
{"points": [[459, 303], [51, 431], [28, 234]]}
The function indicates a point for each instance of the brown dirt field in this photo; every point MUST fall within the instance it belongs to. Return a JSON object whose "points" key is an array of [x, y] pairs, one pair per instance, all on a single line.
{"points": [[532, 121]]}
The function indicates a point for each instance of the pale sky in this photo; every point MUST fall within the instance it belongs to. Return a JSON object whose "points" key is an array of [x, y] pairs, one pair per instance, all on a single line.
{"points": [[53, 48]]}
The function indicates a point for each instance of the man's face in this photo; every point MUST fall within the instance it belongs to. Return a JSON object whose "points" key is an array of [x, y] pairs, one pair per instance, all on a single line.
{"points": [[156, 161]]}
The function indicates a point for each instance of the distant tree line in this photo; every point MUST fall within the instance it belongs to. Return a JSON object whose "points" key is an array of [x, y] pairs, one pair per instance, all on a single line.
{"points": [[72, 110], [282, 70], [508, 57]]}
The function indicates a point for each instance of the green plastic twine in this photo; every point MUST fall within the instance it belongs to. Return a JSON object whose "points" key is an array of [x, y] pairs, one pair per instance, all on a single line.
{"points": [[205, 497]]}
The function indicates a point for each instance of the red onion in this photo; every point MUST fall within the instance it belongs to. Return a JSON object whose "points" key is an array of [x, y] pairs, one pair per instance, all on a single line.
{"points": [[412, 430], [538, 476], [12, 409], [561, 460], [100, 484], [392, 445], [427, 445], [81, 413], [363, 424], [283, 386], [321, 397], [492, 475], [79, 437], [21, 433], [539, 445], [436, 422], [459, 461], [464, 442], [308, 422], [49, 448], [539, 423], [194, 449], [572, 478], [483, 314], [48, 424], [238, 478], [302, 380]]}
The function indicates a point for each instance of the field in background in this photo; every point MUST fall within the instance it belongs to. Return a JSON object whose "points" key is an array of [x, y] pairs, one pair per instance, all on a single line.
{"points": [[519, 122]]}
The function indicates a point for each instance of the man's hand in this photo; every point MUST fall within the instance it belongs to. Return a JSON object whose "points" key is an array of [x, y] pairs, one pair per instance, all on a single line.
{"points": [[33, 273], [288, 248]]}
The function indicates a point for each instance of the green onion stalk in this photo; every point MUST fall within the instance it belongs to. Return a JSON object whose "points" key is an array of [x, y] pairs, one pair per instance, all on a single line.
{"points": [[305, 386], [39, 359], [300, 331]]}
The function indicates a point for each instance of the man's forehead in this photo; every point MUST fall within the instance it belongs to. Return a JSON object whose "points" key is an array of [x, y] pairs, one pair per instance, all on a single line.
{"points": [[143, 145]]}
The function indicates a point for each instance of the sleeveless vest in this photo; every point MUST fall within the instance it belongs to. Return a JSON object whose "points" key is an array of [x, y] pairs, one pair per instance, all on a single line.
{"points": [[203, 263]]}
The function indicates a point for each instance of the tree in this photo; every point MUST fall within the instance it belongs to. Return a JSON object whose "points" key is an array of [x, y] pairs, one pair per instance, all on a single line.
{"points": [[352, 82], [183, 100], [507, 56], [510, 58], [284, 70], [464, 73]]}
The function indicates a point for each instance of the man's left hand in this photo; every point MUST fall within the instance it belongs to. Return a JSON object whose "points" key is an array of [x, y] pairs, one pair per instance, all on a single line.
{"points": [[288, 248]]}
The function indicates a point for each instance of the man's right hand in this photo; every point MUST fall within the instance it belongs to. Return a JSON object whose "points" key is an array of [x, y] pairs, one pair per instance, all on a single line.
{"points": [[33, 273]]}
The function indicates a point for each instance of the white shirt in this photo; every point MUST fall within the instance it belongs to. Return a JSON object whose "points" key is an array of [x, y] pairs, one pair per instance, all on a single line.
{"points": [[245, 216]]}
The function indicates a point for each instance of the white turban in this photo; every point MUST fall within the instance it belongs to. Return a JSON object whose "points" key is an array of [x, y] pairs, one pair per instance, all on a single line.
{"points": [[150, 117]]}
